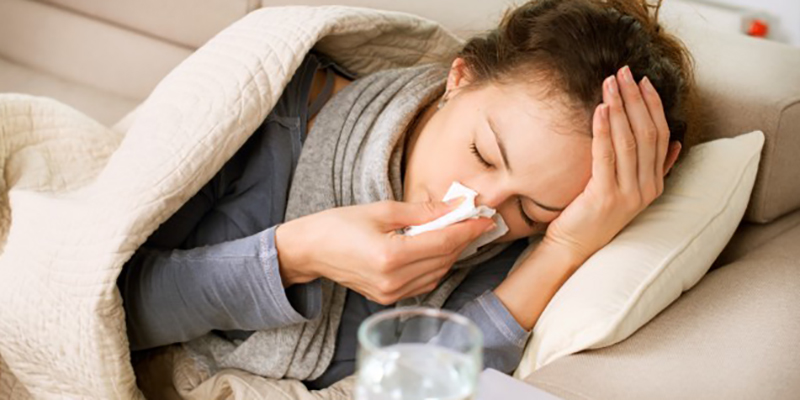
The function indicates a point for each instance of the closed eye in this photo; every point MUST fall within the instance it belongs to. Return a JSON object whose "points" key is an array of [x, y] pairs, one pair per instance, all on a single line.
{"points": [[478, 155], [525, 218], [528, 221]]}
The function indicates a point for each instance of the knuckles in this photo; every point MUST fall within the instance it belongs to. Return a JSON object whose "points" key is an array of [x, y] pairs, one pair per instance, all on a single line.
{"points": [[384, 300], [387, 285], [386, 258], [628, 143], [450, 245], [650, 193], [608, 158], [633, 202], [650, 137]]}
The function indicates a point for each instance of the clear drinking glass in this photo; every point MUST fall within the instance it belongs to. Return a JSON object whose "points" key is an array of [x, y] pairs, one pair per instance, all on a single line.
{"points": [[416, 353]]}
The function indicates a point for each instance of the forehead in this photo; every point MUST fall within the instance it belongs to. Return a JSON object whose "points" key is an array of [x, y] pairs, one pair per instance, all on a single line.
{"points": [[536, 103], [550, 157]]}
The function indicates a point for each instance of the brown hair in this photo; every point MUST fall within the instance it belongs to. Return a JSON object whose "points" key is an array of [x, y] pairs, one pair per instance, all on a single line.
{"points": [[573, 45]]}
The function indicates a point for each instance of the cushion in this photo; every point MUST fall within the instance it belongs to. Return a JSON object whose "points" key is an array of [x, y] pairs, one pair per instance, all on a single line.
{"points": [[663, 252], [106, 108], [733, 336], [84, 50]]}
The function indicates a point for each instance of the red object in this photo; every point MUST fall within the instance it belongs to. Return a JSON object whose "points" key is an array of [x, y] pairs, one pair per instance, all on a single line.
{"points": [[758, 28]]}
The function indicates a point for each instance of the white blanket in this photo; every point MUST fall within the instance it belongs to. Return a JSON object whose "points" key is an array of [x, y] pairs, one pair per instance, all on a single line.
{"points": [[78, 198]]}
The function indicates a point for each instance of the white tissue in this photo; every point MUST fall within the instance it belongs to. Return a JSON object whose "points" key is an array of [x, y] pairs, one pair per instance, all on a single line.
{"points": [[465, 210]]}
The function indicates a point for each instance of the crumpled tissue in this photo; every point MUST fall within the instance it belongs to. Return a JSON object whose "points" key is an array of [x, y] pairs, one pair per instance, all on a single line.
{"points": [[464, 210]]}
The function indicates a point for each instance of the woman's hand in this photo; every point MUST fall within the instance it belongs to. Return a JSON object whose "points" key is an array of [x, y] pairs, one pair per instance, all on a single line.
{"points": [[357, 246], [629, 149]]}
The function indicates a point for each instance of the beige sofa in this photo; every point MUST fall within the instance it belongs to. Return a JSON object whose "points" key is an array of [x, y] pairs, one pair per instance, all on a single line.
{"points": [[734, 335]]}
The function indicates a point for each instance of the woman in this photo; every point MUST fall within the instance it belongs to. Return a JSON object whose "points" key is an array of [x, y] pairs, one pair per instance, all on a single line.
{"points": [[565, 119]]}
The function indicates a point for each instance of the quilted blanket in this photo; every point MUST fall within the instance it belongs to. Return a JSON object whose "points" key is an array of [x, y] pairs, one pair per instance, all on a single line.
{"points": [[77, 198]]}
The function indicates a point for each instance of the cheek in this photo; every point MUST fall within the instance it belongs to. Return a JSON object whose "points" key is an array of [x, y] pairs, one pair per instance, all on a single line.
{"points": [[517, 228], [446, 159]]}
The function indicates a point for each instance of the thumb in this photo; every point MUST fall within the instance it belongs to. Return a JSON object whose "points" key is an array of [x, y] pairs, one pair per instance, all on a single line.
{"points": [[406, 214]]}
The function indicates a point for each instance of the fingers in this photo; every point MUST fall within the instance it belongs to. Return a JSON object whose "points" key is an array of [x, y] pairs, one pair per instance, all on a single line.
{"points": [[644, 131], [441, 242], [656, 110], [422, 284], [416, 273], [621, 136], [396, 214], [639, 133], [421, 277], [603, 157]]}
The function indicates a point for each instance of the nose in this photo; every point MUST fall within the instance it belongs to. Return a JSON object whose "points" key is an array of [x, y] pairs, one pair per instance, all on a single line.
{"points": [[492, 195]]}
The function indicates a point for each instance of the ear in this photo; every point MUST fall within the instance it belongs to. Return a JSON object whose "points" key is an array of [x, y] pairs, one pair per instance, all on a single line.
{"points": [[672, 155], [459, 75]]}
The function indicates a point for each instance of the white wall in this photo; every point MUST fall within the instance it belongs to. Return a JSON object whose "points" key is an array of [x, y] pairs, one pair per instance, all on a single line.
{"points": [[466, 17], [786, 15]]}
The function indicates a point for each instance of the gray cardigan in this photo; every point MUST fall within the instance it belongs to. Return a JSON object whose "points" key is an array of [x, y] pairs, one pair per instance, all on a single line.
{"points": [[213, 265]]}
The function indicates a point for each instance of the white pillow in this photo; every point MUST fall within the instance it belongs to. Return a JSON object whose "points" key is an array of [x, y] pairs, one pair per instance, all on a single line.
{"points": [[663, 252]]}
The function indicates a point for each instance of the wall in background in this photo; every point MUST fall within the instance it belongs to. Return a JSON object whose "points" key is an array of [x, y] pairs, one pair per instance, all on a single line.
{"points": [[467, 17], [783, 15]]}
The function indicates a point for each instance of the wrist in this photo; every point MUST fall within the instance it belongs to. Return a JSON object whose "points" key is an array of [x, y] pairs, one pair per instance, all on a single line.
{"points": [[547, 268], [567, 256], [293, 259]]}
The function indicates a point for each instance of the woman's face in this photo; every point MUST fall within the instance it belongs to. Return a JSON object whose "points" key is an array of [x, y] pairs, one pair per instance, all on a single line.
{"points": [[543, 169]]}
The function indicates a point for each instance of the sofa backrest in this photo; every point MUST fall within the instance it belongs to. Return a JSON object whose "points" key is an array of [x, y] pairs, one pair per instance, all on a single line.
{"points": [[188, 23], [747, 84]]}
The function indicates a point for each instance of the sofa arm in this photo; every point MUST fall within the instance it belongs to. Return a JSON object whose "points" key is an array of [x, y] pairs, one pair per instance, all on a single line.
{"points": [[747, 84], [732, 336]]}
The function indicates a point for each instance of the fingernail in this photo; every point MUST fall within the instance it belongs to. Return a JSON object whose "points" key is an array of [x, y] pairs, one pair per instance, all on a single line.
{"points": [[490, 227], [604, 111], [626, 74], [456, 201], [611, 85], [648, 85]]}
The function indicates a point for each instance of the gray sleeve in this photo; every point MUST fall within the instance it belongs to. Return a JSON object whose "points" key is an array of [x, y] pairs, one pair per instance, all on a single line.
{"points": [[503, 338], [176, 295]]}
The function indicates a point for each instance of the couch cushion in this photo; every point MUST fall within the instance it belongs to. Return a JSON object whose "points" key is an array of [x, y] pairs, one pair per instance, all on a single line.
{"points": [[750, 236], [733, 336], [747, 84], [84, 50], [186, 22], [105, 107]]}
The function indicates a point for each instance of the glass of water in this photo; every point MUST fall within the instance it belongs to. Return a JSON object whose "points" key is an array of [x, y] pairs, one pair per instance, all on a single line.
{"points": [[416, 353]]}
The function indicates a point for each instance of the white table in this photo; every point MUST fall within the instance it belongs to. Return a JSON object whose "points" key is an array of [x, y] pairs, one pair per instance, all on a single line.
{"points": [[493, 385]]}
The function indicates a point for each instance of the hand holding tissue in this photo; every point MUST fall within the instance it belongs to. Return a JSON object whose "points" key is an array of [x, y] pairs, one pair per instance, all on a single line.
{"points": [[465, 210]]}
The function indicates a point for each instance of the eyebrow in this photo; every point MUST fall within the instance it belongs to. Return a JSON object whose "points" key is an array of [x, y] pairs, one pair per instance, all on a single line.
{"points": [[504, 156]]}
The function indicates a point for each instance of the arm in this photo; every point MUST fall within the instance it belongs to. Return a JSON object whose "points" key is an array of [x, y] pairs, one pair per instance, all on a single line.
{"points": [[175, 296], [507, 314], [546, 269], [504, 338]]}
